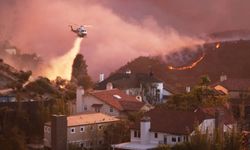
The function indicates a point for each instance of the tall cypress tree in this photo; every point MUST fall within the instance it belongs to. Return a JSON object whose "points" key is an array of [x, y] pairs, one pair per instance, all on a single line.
{"points": [[79, 74]]}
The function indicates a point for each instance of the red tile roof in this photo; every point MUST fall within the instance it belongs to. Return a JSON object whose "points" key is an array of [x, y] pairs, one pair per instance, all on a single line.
{"points": [[117, 99], [180, 122], [131, 105], [235, 84], [227, 115], [173, 121]]}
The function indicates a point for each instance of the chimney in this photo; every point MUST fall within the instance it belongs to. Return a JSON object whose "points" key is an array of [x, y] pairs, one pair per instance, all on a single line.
{"points": [[128, 71], [188, 89], [59, 132], [139, 98], [109, 86], [223, 77], [101, 77], [144, 130], [79, 100]]}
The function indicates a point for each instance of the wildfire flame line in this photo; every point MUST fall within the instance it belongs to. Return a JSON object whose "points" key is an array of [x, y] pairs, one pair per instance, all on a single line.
{"points": [[187, 67], [62, 66], [217, 45]]}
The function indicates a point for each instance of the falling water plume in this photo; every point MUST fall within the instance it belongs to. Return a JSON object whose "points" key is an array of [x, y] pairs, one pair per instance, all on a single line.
{"points": [[62, 66]]}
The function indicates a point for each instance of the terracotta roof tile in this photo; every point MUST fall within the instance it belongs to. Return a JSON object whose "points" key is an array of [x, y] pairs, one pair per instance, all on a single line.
{"points": [[173, 121], [117, 99], [235, 84], [227, 115], [131, 105]]}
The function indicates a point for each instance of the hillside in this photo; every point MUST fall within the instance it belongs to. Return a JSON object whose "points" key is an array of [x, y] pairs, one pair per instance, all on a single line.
{"points": [[230, 58], [9, 76]]}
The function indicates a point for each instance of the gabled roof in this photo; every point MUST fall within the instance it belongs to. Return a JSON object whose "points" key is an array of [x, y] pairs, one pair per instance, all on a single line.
{"points": [[173, 121], [125, 80], [131, 105], [117, 99], [227, 115], [119, 80], [235, 84]]}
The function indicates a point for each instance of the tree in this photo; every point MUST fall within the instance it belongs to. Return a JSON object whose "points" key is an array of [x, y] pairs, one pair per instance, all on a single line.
{"points": [[60, 107], [79, 73], [116, 133], [11, 136], [200, 96], [204, 80]]}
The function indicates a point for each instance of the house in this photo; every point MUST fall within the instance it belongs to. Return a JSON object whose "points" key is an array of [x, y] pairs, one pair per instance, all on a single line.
{"points": [[234, 87], [11, 51], [147, 86], [162, 126], [82, 130], [113, 102]]}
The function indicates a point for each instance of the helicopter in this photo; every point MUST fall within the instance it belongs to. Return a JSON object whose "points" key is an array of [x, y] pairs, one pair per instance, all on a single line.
{"points": [[80, 31]]}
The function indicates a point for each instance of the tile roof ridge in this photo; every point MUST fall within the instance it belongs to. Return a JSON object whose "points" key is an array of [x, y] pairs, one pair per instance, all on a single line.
{"points": [[98, 91]]}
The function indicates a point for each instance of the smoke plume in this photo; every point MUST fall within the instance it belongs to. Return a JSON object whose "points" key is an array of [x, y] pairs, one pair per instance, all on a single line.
{"points": [[122, 30]]}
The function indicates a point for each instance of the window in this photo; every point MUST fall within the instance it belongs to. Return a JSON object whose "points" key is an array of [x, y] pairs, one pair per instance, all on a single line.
{"points": [[81, 145], [137, 134], [82, 129], [156, 135], [179, 139], [47, 129], [165, 139], [87, 143], [100, 127], [100, 142], [72, 130], [85, 107], [173, 139], [111, 109], [97, 109]]}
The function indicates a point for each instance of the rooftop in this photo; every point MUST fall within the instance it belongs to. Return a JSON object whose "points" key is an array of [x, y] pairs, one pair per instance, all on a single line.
{"points": [[118, 99], [173, 121], [88, 118], [125, 80], [235, 84]]}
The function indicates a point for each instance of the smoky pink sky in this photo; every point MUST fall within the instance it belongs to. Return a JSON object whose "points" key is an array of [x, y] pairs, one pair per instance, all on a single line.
{"points": [[121, 30]]}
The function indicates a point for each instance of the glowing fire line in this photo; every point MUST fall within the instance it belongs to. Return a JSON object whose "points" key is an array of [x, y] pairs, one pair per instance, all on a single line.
{"points": [[217, 45], [62, 66], [188, 67]]}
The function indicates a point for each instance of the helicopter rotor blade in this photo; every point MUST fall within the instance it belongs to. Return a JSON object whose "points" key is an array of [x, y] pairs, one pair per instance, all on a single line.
{"points": [[88, 26]]}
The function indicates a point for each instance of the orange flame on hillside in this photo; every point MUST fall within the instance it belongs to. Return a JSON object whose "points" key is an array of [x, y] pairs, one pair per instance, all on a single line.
{"points": [[217, 45], [188, 67], [62, 66]]}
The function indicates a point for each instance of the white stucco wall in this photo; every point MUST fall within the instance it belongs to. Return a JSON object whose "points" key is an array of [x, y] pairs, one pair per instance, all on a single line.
{"points": [[159, 139], [89, 100], [208, 126], [47, 136], [132, 138], [159, 86]]}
